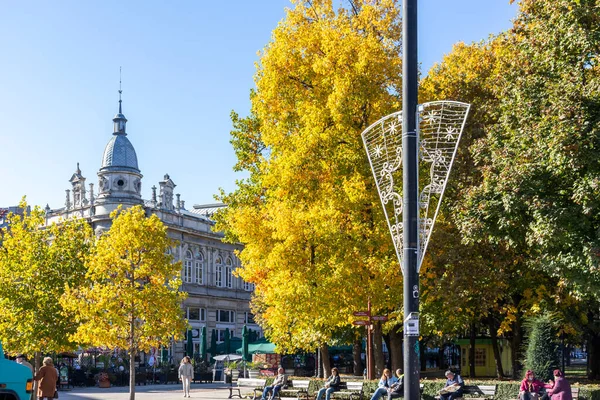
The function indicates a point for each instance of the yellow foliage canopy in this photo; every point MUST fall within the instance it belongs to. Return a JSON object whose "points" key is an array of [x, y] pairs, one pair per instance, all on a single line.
{"points": [[132, 300], [316, 244]]}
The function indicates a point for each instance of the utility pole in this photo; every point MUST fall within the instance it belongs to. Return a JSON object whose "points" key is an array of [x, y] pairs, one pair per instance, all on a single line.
{"points": [[410, 212]]}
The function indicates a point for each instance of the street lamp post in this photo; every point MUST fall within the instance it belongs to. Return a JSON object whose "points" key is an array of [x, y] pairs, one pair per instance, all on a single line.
{"points": [[410, 210], [430, 135]]}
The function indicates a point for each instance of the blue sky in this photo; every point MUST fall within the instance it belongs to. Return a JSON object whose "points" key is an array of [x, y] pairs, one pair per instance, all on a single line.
{"points": [[186, 65]]}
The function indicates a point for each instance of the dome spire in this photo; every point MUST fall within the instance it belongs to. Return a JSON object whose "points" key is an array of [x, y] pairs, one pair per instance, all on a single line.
{"points": [[120, 91], [119, 119]]}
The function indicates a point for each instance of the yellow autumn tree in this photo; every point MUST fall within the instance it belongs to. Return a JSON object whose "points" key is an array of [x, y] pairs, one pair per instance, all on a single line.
{"points": [[132, 300], [36, 263], [315, 242]]}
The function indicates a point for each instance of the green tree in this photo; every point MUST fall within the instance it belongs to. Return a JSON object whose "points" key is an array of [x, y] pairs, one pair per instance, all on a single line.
{"points": [[37, 262], [132, 301], [542, 347], [315, 242], [540, 171]]}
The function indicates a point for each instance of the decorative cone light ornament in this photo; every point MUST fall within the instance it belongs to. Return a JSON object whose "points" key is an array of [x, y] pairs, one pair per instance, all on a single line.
{"points": [[439, 130]]}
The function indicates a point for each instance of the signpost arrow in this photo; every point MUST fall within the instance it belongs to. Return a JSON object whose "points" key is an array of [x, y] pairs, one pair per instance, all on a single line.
{"points": [[379, 318], [360, 313], [362, 322]]}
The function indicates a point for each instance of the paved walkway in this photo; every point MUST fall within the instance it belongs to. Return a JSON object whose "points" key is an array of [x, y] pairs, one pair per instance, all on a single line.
{"points": [[162, 392]]}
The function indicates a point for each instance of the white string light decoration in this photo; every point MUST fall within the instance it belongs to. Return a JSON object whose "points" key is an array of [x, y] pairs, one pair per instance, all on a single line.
{"points": [[440, 127]]}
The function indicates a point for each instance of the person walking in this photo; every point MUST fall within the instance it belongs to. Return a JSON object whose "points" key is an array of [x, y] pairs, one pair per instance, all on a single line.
{"points": [[331, 385], [47, 376], [279, 382], [384, 385], [23, 361], [186, 374]]}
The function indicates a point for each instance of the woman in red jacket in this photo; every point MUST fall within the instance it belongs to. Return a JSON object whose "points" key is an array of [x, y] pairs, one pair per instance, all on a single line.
{"points": [[530, 387], [561, 390]]}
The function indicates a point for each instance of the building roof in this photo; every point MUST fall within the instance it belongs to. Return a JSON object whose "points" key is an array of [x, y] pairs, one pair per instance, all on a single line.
{"points": [[207, 210], [119, 153]]}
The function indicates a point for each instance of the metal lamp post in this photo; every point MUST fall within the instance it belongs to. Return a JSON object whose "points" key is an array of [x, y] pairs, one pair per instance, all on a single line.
{"points": [[429, 137]]}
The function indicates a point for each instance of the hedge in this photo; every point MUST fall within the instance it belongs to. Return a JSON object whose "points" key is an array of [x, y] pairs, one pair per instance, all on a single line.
{"points": [[506, 390]]}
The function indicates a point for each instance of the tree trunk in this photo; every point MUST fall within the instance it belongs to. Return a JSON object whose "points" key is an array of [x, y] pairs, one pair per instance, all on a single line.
{"points": [[325, 360], [497, 355], [395, 349], [131, 374], [356, 352], [378, 349], [515, 347], [593, 350], [319, 366], [422, 347], [37, 361], [132, 351], [388, 344], [472, 351]]}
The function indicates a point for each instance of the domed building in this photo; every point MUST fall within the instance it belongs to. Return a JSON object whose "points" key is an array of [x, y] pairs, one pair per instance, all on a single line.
{"points": [[216, 299]]}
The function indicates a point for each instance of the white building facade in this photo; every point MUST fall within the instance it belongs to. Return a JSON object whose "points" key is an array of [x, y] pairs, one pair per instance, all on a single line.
{"points": [[216, 299]]}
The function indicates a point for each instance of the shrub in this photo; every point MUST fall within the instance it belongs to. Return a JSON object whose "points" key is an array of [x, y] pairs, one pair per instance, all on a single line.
{"points": [[542, 348]]}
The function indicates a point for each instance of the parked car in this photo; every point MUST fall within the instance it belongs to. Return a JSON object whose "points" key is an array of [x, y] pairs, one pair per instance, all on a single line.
{"points": [[16, 381]]}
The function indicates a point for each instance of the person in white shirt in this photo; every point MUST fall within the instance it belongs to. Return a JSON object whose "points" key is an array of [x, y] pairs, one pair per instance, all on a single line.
{"points": [[186, 374]]}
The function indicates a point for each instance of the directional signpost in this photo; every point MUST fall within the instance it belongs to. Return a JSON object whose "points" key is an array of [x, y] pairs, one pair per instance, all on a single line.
{"points": [[369, 324]]}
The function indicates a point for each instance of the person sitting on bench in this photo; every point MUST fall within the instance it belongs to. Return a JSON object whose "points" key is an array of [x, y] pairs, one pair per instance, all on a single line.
{"points": [[530, 387], [385, 383], [397, 389], [453, 388], [276, 386]]}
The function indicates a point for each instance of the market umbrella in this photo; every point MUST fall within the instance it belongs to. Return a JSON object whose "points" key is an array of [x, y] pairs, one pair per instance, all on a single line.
{"points": [[261, 346], [227, 342], [245, 334], [227, 357], [190, 344], [164, 355], [213, 343], [203, 344]]}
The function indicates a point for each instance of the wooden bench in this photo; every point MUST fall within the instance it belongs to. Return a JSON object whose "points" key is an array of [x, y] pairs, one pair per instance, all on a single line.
{"points": [[296, 387], [256, 385], [482, 392], [349, 390]]}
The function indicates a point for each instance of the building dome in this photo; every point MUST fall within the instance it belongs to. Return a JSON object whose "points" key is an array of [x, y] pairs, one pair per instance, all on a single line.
{"points": [[119, 154]]}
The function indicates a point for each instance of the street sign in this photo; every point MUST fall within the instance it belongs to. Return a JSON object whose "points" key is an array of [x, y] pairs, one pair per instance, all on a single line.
{"points": [[360, 313], [379, 318], [411, 324], [362, 322]]}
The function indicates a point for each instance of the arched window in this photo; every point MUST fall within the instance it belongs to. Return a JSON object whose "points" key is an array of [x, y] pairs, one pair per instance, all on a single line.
{"points": [[187, 267], [218, 272], [199, 269], [228, 273]]}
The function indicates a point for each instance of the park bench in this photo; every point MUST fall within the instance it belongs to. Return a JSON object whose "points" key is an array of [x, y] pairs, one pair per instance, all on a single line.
{"points": [[256, 385], [297, 388], [482, 392], [349, 390]]}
